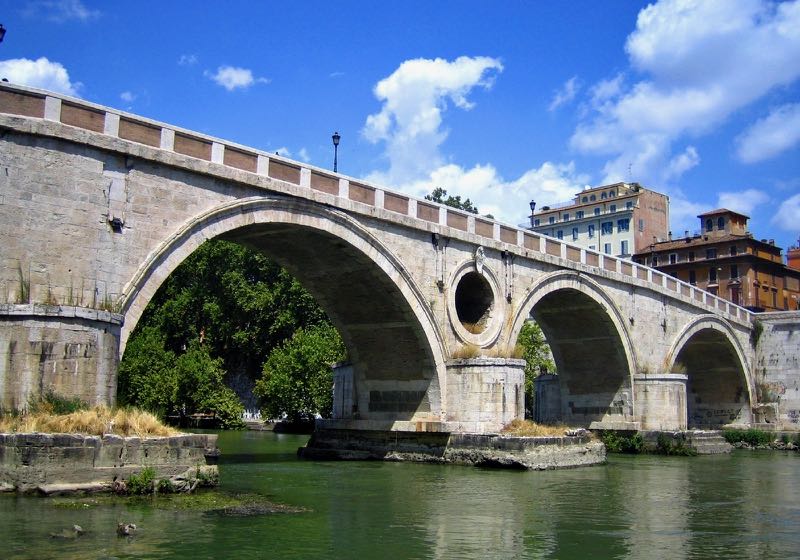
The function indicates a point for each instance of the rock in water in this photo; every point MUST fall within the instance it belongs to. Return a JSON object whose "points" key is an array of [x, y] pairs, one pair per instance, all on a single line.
{"points": [[126, 529]]}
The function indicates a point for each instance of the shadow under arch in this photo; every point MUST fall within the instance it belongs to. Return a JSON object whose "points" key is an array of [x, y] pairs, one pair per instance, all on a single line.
{"points": [[394, 345], [592, 350], [718, 390]]}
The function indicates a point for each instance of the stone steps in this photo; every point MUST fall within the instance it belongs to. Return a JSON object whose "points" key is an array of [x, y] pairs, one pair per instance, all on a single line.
{"points": [[708, 442]]}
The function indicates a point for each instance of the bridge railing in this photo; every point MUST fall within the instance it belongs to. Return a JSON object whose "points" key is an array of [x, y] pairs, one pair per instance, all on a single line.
{"points": [[49, 106]]}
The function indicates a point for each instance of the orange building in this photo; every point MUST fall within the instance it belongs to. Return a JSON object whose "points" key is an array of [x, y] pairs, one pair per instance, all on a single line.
{"points": [[725, 259]]}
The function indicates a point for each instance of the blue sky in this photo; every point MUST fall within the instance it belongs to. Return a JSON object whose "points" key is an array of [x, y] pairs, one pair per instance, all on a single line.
{"points": [[501, 102]]}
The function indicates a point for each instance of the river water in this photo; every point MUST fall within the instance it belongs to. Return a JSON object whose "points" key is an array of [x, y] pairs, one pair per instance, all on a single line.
{"points": [[743, 505]]}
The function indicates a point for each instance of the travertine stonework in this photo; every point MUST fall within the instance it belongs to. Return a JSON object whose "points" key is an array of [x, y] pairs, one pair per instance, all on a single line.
{"points": [[97, 207]]}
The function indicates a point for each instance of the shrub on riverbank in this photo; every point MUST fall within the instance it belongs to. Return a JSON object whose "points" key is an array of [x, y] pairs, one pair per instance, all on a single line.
{"points": [[751, 437], [526, 428], [621, 442]]}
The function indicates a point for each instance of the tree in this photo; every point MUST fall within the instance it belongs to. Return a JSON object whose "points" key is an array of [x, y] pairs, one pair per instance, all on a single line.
{"points": [[537, 355], [297, 380], [439, 194]]}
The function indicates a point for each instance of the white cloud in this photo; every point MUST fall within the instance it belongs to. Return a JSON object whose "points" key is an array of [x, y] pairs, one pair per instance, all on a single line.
{"points": [[788, 213], [414, 98], [60, 11], [127, 96], [744, 202], [768, 137], [283, 151], [40, 73], [303, 155], [232, 77], [187, 60], [566, 94], [701, 59]]}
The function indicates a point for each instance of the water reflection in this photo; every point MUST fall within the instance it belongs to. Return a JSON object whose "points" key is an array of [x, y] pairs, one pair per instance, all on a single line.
{"points": [[746, 505]]}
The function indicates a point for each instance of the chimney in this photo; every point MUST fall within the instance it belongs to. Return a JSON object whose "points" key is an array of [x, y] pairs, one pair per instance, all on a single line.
{"points": [[670, 236], [686, 233]]}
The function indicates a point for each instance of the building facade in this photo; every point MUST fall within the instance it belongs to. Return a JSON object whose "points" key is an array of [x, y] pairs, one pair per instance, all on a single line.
{"points": [[726, 260], [619, 219]]}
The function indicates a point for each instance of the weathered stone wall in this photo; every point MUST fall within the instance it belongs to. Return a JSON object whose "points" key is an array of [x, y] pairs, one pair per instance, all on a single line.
{"points": [[778, 370], [44, 461], [69, 351]]}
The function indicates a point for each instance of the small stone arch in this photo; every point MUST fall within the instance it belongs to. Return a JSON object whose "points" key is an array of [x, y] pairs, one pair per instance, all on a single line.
{"points": [[250, 219], [718, 390], [589, 394]]}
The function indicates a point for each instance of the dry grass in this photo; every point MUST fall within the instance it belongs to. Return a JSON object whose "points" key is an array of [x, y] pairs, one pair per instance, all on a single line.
{"points": [[466, 352], [95, 421], [527, 428]]}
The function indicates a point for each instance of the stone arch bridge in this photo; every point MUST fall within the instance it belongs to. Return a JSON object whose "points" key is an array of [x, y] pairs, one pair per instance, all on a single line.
{"points": [[98, 207]]}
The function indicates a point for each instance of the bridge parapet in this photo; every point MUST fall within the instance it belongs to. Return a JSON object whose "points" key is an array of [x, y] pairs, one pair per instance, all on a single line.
{"points": [[227, 159]]}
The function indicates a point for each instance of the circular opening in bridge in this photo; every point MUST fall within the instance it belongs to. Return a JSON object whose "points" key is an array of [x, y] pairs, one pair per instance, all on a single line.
{"points": [[474, 299]]}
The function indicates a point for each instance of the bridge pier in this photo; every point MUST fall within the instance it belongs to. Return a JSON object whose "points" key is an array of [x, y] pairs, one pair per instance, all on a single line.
{"points": [[70, 351], [661, 401]]}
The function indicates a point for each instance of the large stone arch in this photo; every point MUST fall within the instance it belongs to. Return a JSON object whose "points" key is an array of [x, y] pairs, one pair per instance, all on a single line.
{"points": [[395, 348], [718, 389], [591, 347]]}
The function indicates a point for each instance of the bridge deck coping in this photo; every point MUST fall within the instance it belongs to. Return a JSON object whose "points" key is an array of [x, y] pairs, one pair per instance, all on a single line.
{"points": [[35, 103]]}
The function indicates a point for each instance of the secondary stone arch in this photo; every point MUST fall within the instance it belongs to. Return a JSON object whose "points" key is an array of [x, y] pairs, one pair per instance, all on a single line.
{"points": [[718, 389], [327, 251], [591, 346]]}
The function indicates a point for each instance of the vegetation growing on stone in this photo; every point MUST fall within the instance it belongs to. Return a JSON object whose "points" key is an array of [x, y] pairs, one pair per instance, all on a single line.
{"points": [[98, 420], [621, 442], [752, 437], [527, 428]]}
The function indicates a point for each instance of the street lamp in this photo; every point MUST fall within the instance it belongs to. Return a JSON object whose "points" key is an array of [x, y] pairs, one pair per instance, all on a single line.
{"points": [[533, 209], [2, 32], [335, 139]]}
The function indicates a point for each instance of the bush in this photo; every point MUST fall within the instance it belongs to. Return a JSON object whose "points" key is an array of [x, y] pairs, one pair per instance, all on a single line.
{"points": [[618, 442], [752, 437], [665, 445], [142, 483]]}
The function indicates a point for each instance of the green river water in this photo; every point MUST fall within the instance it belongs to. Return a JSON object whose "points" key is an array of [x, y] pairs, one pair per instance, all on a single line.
{"points": [[743, 505]]}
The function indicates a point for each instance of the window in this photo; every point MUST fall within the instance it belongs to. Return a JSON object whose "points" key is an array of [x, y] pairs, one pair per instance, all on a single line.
{"points": [[691, 256], [551, 219], [579, 214], [712, 275], [692, 277], [596, 211], [591, 247], [623, 248], [591, 230], [574, 234], [603, 196], [584, 199], [566, 216], [654, 261], [560, 234], [606, 228], [612, 208], [734, 271], [612, 193], [673, 258], [734, 251], [624, 224], [721, 223], [628, 205], [607, 248], [592, 198], [641, 224], [536, 222], [709, 224], [711, 253]]}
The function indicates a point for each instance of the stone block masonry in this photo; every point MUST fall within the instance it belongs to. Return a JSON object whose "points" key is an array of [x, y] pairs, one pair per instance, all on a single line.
{"points": [[49, 462]]}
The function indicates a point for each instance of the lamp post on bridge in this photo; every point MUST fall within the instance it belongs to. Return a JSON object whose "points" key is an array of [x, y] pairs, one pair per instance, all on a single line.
{"points": [[335, 139], [2, 32]]}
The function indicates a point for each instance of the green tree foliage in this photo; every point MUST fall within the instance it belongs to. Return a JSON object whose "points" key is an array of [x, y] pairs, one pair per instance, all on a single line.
{"points": [[222, 310], [536, 353], [439, 194], [297, 381]]}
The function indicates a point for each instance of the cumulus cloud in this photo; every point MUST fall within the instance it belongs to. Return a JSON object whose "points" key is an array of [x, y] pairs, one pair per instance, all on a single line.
{"points": [[566, 94], [60, 11], [414, 98], [40, 73], [127, 96], [283, 151], [786, 217], [744, 202], [232, 77], [303, 155], [698, 59], [770, 136]]}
